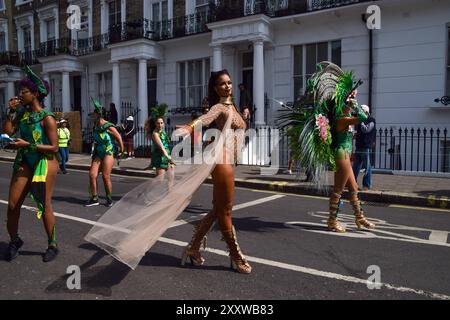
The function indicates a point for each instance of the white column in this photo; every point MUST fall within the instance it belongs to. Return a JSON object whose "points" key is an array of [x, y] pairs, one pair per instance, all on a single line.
{"points": [[146, 8], [43, 30], [258, 81], [217, 58], [116, 89], [56, 15], [90, 8], [66, 107], [48, 99], [31, 21], [84, 97], [169, 9], [123, 14], [104, 17], [142, 92], [4, 26], [20, 43], [11, 91]]}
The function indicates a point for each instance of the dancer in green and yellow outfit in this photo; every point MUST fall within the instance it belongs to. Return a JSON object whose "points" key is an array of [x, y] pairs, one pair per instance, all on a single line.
{"points": [[36, 163], [103, 155]]}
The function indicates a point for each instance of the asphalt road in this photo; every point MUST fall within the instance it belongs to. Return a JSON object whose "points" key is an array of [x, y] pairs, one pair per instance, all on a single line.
{"points": [[283, 236]]}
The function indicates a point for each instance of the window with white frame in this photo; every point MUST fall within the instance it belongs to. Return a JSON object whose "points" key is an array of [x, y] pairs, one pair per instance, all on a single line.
{"points": [[83, 33], [160, 10], [201, 6], [51, 34], [115, 12], [447, 91], [193, 82], [2, 5], [20, 2], [27, 38], [2, 41], [307, 56]]}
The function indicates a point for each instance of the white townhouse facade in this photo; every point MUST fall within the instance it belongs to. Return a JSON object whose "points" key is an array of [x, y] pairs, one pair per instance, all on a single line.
{"points": [[141, 52]]}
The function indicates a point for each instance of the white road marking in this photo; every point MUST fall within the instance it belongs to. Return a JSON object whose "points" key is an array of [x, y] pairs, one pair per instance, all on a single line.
{"points": [[180, 222], [272, 263], [315, 272], [65, 216], [438, 236]]}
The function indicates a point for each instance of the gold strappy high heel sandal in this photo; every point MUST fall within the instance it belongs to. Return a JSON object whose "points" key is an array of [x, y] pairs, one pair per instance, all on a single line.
{"points": [[237, 259], [192, 250], [332, 223], [360, 220]]}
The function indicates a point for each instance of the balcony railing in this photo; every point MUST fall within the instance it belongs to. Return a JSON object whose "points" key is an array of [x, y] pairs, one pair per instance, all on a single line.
{"points": [[10, 58], [172, 28], [230, 9], [326, 4]]}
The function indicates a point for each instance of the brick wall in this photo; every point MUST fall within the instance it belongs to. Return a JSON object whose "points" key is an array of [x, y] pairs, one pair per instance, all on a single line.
{"points": [[96, 18]]}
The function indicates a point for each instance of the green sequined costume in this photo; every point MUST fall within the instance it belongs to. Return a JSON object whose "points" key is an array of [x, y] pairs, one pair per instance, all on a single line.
{"points": [[103, 141], [31, 130], [344, 140], [159, 161], [313, 120]]}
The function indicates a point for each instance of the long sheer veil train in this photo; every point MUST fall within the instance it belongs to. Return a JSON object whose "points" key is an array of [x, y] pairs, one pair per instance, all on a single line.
{"points": [[131, 227]]}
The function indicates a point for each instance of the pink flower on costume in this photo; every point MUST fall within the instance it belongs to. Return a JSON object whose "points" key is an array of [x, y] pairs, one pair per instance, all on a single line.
{"points": [[322, 124]]}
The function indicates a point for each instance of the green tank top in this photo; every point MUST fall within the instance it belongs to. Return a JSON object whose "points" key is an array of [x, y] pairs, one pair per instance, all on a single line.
{"points": [[31, 130], [103, 141]]}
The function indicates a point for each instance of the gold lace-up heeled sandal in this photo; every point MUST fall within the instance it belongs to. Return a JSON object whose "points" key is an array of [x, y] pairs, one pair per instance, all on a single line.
{"points": [[332, 223], [237, 259], [360, 220], [192, 250]]}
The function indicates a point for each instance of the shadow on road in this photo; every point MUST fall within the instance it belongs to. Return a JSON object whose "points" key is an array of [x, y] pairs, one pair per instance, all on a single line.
{"points": [[97, 280]]}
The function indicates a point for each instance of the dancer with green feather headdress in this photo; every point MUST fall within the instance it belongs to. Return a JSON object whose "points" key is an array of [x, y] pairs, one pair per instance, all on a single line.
{"points": [[102, 155], [161, 159], [322, 140], [36, 163]]}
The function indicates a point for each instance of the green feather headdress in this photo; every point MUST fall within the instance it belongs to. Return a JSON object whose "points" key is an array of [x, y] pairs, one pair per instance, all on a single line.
{"points": [[326, 95], [36, 80], [158, 111], [97, 106]]}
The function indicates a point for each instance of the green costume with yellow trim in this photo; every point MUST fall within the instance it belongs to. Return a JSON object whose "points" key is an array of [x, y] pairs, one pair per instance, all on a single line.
{"points": [[103, 141]]}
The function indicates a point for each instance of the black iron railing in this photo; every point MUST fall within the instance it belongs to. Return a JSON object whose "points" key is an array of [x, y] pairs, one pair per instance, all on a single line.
{"points": [[413, 149], [10, 58], [326, 4]]}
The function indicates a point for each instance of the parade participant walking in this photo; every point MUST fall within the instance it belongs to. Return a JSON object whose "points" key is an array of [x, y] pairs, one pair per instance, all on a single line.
{"points": [[222, 109], [63, 142], [130, 228], [36, 163], [103, 155], [326, 141], [161, 160]]}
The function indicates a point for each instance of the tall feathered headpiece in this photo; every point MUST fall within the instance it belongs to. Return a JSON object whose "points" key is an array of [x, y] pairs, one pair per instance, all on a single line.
{"points": [[36, 80], [309, 120], [158, 111], [98, 108]]}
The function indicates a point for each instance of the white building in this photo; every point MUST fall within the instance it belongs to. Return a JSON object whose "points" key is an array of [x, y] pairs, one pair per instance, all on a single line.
{"points": [[272, 48]]}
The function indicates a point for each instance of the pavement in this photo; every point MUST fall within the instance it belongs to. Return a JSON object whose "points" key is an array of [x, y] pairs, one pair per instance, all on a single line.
{"points": [[409, 189]]}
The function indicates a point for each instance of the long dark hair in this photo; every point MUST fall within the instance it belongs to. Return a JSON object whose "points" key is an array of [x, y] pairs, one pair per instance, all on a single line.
{"points": [[213, 97], [150, 125]]}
